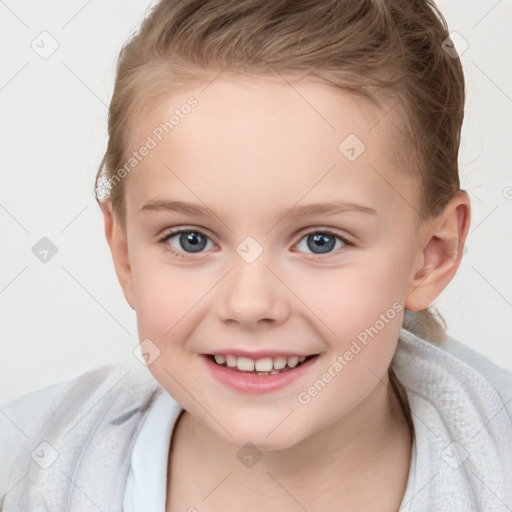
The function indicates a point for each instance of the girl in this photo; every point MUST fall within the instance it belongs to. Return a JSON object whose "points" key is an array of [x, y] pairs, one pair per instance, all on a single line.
{"points": [[281, 198]]}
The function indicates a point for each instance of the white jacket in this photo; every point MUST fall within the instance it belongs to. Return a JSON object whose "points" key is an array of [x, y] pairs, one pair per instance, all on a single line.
{"points": [[102, 441]]}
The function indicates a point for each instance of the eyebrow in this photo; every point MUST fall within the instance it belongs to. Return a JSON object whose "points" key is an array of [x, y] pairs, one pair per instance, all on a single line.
{"points": [[326, 209], [292, 212]]}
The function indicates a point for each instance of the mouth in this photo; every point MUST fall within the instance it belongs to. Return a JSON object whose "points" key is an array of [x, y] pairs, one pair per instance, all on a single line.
{"points": [[259, 373], [262, 367]]}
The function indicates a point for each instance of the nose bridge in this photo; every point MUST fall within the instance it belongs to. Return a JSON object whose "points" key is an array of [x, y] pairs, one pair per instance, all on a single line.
{"points": [[252, 294]]}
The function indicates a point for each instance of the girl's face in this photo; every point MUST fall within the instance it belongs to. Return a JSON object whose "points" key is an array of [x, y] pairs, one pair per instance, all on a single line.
{"points": [[269, 220]]}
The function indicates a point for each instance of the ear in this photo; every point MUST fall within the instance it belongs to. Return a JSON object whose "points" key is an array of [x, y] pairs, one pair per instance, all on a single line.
{"points": [[117, 241], [441, 247]]}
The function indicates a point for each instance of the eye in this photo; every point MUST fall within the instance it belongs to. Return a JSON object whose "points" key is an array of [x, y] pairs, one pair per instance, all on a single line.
{"points": [[187, 241], [190, 241], [322, 242]]}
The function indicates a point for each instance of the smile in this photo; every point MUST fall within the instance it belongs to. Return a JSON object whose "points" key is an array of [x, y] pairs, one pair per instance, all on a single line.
{"points": [[259, 375]]}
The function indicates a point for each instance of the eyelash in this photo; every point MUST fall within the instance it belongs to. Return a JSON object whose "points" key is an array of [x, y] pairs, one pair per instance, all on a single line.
{"points": [[169, 234]]}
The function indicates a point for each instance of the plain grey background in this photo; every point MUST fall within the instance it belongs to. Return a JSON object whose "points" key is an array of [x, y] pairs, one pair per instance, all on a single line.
{"points": [[67, 314]]}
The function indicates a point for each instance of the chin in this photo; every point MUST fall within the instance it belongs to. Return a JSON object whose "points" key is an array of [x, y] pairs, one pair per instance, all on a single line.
{"points": [[265, 436]]}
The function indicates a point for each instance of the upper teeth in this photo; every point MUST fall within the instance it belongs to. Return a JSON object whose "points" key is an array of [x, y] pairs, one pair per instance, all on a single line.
{"points": [[265, 364]]}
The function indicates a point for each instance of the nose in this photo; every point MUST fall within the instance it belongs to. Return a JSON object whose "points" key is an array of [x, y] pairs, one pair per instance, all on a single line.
{"points": [[252, 296]]}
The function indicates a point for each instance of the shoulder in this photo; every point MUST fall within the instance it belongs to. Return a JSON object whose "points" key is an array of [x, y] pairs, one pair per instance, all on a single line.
{"points": [[499, 378], [424, 364], [59, 402], [462, 413], [16, 418]]}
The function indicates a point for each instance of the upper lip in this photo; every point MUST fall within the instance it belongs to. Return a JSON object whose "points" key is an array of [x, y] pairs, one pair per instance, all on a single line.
{"points": [[260, 354]]}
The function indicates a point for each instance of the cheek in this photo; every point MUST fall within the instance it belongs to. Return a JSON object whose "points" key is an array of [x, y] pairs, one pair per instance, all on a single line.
{"points": [[166, 302], [359, 312], [163, 296], [361, 319], [354, 297]]}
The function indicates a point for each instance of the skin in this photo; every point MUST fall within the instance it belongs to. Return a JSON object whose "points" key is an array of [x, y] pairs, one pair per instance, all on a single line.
{"points": [[250, 149]]}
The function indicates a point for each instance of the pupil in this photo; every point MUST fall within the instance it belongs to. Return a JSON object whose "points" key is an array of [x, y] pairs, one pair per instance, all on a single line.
{"points": [[321, 242], [192, 242]]}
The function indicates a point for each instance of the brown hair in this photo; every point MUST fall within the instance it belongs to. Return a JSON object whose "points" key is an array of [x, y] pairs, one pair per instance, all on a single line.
{"points": [[391, 52]]}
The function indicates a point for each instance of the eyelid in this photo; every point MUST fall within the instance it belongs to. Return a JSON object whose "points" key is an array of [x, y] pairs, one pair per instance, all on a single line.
{"points": [[167, 233], [329, 231]]}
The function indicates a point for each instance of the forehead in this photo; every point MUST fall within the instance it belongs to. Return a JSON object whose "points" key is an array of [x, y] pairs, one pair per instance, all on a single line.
{"points": [[250, 144]]}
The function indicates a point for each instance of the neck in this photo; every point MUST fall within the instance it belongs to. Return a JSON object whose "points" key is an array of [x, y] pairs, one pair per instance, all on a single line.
{"points": [[367, 450]]}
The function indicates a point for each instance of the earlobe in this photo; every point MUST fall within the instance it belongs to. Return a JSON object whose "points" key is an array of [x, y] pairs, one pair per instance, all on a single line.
{"points": [[441, 252], [118, 244]]}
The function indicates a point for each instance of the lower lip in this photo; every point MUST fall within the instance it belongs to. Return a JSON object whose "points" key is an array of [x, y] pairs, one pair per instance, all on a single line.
{"points": [[252, 383]]}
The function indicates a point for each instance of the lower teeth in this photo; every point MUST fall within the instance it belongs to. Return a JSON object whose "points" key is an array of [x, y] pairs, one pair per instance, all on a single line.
{"points": [[271, 372], [262, 374]]}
